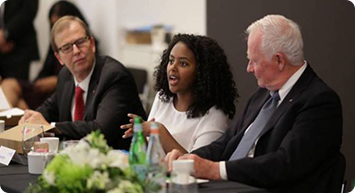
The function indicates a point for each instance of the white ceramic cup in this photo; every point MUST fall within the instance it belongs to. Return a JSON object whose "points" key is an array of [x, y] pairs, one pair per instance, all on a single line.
{"points": [[2, 126], [53, 143], [38, 161], [183, 171]]}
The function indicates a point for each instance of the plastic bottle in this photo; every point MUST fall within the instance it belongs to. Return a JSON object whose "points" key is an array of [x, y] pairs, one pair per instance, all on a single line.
{"points": [[155, 162]]}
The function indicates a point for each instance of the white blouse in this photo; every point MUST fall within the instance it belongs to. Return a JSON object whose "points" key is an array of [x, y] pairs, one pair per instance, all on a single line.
{"points": [[190, 133]]}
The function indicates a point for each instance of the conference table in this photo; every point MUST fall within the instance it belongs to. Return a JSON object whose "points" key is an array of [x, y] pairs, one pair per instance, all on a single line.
{"points": [[15, 178]]}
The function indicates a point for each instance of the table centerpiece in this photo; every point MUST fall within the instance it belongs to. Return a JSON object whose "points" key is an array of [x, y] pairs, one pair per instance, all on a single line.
{"points": [[90, 166]]}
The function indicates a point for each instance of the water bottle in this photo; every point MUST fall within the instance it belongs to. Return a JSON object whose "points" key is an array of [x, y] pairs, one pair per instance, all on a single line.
{"points": [[155, 161], [137, 152]]}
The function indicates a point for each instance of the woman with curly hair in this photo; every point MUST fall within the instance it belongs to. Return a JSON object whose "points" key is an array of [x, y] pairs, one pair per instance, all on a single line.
{"points": [[196, 94]]}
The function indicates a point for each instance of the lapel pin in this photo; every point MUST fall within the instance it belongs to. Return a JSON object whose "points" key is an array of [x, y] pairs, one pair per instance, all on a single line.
{"points": [[290, 100], [94, 91]]}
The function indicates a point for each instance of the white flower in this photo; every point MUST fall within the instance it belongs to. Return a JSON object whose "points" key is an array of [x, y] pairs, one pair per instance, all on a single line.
{"points": [[49, 177], [82, 154], [98, 180], [95, 158], [116, 158], [123, 187]]}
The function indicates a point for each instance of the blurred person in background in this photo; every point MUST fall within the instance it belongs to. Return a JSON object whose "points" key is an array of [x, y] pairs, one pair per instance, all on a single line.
{"points": [[30, 95], [18, 41]]}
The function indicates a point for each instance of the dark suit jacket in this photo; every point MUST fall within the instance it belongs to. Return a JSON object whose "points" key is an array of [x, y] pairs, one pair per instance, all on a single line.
{"points": [[18, 18], [112, 94], [300, 145]]}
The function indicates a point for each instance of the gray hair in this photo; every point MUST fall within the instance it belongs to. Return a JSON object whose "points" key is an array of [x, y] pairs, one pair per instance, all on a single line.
{"points": [[280, 34]]}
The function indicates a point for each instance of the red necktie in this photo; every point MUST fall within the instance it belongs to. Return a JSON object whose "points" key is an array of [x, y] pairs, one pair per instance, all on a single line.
{"points": [[79, 104]]}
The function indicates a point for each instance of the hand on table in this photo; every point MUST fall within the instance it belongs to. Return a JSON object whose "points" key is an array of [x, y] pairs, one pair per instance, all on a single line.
{"points": [[204, 168], [35, 117], [31, 116], [129, 132]]}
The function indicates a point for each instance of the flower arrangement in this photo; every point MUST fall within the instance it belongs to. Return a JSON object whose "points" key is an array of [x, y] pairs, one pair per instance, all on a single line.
{"points": [[89, 166]]}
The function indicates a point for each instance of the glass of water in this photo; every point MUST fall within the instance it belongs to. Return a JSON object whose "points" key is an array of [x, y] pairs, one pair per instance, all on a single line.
{"points": [[31, 133]]}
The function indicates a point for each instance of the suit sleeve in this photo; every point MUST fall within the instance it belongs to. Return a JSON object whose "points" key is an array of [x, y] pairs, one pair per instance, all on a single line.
{"points": [[49, 109], [314, 136], [18, 25]]}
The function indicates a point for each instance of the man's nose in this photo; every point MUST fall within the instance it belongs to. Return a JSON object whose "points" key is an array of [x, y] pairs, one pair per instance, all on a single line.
{"points": [[75, 49], [250, 68]]}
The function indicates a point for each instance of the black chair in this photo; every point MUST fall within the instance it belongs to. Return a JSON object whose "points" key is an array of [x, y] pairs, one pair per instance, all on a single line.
{"points": [[140, 77], [336, 181]]}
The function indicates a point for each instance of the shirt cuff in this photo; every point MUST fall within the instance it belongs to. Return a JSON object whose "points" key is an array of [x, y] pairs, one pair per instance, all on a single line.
{"points": [[53, 124], [223, 170]]}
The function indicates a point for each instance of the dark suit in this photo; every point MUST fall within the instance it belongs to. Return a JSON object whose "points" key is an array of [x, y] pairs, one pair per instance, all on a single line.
{"points": [[18, 18], [300, 145], [111, 95]]}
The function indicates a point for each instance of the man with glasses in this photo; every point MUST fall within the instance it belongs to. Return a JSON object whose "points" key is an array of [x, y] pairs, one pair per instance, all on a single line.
{"points": [[93, 93]]}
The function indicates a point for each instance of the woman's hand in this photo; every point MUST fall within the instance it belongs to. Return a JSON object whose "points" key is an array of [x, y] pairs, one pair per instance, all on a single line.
{"points": [[129, 132]]}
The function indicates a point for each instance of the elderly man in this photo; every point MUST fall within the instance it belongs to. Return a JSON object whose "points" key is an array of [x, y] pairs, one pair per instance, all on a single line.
{"points": [[289, 135], [93, 93]]}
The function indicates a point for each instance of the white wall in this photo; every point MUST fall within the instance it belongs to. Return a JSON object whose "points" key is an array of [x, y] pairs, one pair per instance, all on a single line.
{"points": [[109, 18]]}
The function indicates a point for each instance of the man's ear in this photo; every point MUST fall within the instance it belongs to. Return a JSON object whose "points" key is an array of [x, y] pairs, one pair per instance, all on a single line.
{"points": [[93, 45], [281, 60], [58, 57]]}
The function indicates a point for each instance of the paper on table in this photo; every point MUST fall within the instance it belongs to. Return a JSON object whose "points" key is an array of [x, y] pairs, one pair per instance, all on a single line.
{"points": [[6, 155], [3, 101], [12, 112], [199, 181]]}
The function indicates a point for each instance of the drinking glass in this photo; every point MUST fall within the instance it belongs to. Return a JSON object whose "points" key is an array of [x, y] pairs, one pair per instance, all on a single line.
{"points": [[65, 144], [31, 133]]}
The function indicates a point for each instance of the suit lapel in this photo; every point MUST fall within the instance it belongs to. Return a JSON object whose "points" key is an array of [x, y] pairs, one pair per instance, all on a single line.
{"points": [[95, 77], [295, 92], [66, 104]]}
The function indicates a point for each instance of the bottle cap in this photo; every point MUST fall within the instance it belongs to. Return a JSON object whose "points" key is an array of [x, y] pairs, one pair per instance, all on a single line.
{"points": [[154, 128]]}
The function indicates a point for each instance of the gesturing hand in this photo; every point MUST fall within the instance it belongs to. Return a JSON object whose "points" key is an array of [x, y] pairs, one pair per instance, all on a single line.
{"points": [[129, 132]]}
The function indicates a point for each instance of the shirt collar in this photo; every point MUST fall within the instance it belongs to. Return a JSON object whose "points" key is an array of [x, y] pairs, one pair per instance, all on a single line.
{"points": [[85, 83], [285, 89]]}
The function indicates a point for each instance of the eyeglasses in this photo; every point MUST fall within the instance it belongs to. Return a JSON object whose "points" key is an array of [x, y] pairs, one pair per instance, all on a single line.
{"points": [[67, 48]]}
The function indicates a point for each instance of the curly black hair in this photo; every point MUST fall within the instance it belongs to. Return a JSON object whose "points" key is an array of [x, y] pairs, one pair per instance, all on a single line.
{"points": [[214, 84]]}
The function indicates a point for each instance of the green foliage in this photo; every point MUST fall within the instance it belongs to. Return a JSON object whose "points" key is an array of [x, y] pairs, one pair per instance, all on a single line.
{"points": [[67, 173], [97, 140]]}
